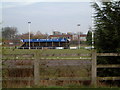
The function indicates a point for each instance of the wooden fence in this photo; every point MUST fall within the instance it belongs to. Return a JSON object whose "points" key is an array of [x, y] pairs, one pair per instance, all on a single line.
{"points": [[95, 67], [36, 59]]}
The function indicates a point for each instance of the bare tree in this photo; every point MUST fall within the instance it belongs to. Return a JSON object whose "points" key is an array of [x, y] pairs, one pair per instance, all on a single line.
{"points": [[9, 33]]}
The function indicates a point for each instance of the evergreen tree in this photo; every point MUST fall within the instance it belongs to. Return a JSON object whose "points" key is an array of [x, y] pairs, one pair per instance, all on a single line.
{"points": [[107, 28], [107, 35], [89, 38]]}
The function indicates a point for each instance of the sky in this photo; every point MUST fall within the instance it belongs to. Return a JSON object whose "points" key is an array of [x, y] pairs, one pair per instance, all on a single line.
{"points": [[47, 17]]}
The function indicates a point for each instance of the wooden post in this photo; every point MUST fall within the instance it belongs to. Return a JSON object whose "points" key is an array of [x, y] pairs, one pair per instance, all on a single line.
{"points": [[46, 44], [36, 70], [66, 44], [59, 44], [1, 70], [27, 44], [52, 44], [33, 44], [94, 68], [39, 44]]}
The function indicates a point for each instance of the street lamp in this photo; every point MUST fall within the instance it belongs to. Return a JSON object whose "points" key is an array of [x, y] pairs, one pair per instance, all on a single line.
{"points": [[79, 36], [29, 32]]}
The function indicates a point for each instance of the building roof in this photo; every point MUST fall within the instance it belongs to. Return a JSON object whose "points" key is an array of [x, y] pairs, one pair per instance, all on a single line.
{"points": [[83, 35], [44, 40], [60, 36]]}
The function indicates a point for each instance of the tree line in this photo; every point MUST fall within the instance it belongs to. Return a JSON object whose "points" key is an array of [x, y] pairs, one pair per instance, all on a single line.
{"points": [[11, 34]]}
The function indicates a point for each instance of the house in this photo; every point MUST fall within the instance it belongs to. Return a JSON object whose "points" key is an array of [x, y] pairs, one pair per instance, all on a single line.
{"points": [[81, 37], [69, 37], [11, 42]]}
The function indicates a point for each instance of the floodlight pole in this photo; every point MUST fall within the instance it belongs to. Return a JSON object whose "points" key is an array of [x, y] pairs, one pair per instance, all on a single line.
{"points": [[79, 36], [29, 32]]}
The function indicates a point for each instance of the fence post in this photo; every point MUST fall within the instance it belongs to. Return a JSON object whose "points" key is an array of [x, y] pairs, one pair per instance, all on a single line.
{"points": [[36, 69], [1, 70], [94, 69]]}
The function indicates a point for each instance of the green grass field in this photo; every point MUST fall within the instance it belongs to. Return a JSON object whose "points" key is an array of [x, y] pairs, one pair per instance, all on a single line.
{"points": [[45, 51], [49, 53]]}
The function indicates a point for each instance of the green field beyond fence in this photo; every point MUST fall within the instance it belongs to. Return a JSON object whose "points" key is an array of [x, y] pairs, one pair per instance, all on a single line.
{"points": [[50, 53], [46, 51]]}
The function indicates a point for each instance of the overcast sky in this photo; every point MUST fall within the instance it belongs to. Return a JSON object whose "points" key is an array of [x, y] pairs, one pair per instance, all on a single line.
{"points": [[48, 16]]}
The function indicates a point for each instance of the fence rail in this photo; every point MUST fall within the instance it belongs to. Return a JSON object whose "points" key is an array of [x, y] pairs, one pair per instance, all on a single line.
{"points": [[18, 59], [16, 67], [59, 78], [18, 78], [108, 78], [108, 54], [109, 66], [87, 54]]}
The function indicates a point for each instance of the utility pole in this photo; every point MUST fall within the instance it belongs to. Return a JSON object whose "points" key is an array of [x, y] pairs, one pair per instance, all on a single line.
{"points": [[92, 39], [79, 36], [29, 32]]}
